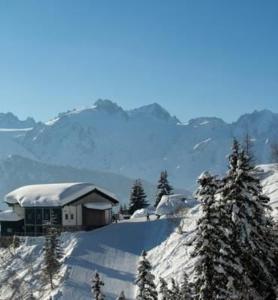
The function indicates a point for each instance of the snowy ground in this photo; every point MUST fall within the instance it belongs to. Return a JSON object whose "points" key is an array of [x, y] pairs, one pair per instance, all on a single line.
{"points": [[113, 251]]}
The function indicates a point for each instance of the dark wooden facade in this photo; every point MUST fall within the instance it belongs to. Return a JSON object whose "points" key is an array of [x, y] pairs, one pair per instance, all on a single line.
{"points": [[12, 228]]}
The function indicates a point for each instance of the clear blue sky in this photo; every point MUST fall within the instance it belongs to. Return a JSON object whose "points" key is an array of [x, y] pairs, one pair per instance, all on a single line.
{"points": [[196, 58]]}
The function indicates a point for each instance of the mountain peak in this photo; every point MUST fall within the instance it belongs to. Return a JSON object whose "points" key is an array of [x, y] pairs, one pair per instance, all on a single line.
{"points": [[154, 110], [108, 106], [9, 120]]}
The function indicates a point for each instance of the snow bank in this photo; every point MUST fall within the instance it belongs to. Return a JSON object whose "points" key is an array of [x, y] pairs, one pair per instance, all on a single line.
{"points": [[58, 194], [171, 204], [173, 256]]}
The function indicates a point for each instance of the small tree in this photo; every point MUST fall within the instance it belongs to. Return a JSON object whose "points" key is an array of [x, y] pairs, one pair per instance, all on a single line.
{"points": [[122, 296], [163, 187], [137, 197], [97, 283], [164, 290], [145, 280], [52, 255], [185, 289], [175, 293]]}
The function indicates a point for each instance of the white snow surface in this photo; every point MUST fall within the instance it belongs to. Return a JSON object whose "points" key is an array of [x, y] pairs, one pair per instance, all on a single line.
{"points": [[113, 251], [269, 177], [58, 194], [9, 215]]}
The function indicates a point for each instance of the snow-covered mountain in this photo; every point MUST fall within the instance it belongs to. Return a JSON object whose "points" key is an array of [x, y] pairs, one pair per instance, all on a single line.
{"points": [[142, 142]]}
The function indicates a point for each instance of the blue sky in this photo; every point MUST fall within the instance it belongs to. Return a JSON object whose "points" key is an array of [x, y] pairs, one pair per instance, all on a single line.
{"points": [[194, 57]]}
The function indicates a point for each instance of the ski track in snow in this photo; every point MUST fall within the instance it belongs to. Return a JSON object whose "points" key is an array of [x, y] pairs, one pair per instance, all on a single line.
{"points": [[113, 251]]}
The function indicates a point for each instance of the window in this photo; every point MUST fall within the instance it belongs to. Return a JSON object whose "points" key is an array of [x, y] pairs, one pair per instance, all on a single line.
{"points": [[66, 216], [30, 215], [46, 214], [38, 216], [56, 216], [71, 216]]}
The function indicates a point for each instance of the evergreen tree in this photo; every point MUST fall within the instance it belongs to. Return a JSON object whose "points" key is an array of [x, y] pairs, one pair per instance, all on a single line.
{"points": [[122, 296], [52, 255], [163, 187], [175, 293], [253, 238], [145, 280], [185, 289], [137, 197], [164, 290], [97, 283], [217, 270]]}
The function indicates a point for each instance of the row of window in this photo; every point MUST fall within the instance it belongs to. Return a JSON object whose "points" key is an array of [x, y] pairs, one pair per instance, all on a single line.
{"points": [[71, 216], [41, 216]]}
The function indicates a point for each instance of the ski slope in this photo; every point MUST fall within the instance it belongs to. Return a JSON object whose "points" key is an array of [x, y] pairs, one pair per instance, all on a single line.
{"points": [[113, 251]]}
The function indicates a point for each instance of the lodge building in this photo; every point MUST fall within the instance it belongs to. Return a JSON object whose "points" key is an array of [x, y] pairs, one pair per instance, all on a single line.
{"points": [[71, 206]]}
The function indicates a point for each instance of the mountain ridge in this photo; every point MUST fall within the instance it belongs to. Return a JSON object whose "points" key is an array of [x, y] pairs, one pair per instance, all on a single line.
{"points": [[144, 141]]}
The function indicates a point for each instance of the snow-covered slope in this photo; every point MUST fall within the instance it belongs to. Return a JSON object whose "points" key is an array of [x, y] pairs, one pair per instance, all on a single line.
{"points": [[113, 251], [269, 177]]}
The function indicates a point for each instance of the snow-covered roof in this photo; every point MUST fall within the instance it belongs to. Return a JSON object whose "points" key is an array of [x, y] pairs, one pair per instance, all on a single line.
{"points": [[58, 194], [9, 215], [98, 205]]}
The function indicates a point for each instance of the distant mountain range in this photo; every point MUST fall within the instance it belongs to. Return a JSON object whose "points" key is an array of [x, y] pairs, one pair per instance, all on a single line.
{"points": [[135, 143]]}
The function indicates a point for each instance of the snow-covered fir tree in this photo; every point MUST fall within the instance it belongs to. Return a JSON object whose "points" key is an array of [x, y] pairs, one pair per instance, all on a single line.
{"points": [[217, 270], [175, 293], [164, 290], [163, 187], [253, 239], [145, 280], [137, 197], [185, 290], [97, 285], [52, 255], [122, 296]]}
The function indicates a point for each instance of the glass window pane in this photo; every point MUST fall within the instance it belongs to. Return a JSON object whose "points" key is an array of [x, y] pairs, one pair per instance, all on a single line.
{"points": [[46, 214], [38, 216], [30, 215]]}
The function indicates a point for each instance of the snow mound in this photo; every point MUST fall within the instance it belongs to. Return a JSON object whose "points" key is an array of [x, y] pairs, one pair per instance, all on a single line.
{"points": [[57, 194], [139, 213], [171, 204]]}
